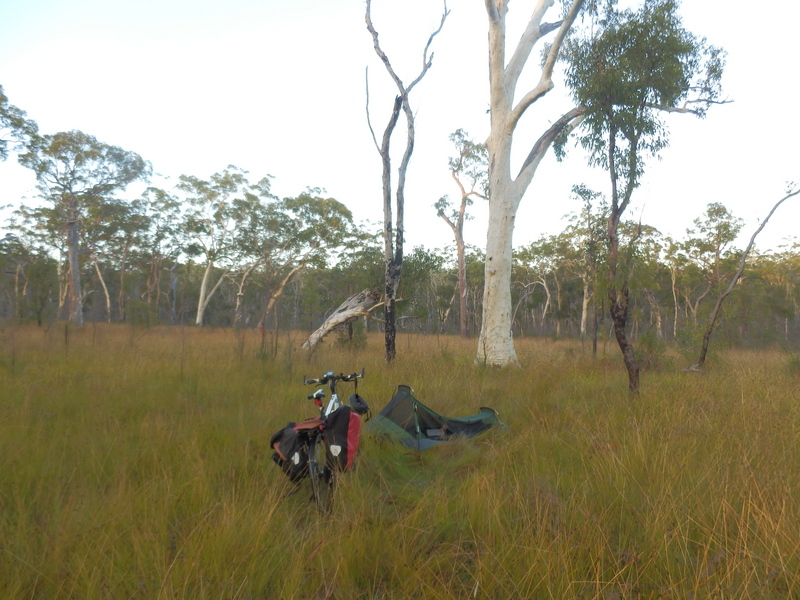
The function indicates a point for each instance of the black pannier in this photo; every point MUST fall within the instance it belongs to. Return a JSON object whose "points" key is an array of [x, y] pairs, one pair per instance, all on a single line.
{"points": [[291, 451]]}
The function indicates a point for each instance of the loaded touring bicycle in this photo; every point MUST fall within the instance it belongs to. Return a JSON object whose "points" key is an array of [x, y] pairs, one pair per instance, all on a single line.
{"points": [[325, 445]]}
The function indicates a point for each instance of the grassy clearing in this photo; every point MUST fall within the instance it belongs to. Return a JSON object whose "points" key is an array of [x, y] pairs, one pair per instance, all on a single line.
{"points": [[136, 465]]}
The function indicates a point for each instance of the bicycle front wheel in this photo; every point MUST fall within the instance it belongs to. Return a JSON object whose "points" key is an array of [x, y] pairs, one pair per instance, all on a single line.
{"points": [[321, 475]]}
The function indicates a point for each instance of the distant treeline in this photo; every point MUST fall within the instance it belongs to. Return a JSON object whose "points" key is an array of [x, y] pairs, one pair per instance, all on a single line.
{"points": [[162, 258]]}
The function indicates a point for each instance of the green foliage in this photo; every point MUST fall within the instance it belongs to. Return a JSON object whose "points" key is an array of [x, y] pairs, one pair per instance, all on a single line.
{"points": [[630, 68], [73, 163], [15, 128], [651, 352]]}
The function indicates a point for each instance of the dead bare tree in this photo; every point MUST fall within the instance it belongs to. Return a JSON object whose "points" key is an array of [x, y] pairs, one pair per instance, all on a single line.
{"points": [[357, 305], [393, 239], [712, 320]]}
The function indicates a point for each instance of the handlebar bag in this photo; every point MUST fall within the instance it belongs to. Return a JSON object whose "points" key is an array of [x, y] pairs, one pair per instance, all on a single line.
{"points": [[342, 433], [291, 451]]}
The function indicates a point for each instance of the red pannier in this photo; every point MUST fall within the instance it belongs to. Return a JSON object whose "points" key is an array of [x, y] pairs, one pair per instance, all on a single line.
{"points": [[342, 432]]}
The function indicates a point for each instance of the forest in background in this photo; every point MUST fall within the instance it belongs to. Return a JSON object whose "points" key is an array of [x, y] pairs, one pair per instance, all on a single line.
{"points": [[260, 261]]}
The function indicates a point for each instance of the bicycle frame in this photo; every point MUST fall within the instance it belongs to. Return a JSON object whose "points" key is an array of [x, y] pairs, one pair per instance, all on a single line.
{"points": [[321, 472]]}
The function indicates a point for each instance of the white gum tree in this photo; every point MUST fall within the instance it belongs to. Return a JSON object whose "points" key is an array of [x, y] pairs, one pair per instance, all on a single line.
{"points": [[507, 106]]}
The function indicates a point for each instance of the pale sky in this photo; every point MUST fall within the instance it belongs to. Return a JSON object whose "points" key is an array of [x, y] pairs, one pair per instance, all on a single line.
{"points": [[278, 87]]}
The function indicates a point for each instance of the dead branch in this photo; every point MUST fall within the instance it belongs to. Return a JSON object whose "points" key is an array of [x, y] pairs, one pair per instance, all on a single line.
{"points": [[742, 262], [357, 305]]}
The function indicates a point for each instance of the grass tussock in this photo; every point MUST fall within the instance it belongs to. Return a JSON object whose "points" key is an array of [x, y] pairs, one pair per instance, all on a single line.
{"points": [[136, 465]]}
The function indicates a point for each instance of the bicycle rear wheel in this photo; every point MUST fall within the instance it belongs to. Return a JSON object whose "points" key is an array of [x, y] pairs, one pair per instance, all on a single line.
{"points": [[321, 475]]}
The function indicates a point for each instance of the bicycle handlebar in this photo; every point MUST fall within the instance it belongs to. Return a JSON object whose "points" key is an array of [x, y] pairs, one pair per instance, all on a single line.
{"points": [[330, 376]]}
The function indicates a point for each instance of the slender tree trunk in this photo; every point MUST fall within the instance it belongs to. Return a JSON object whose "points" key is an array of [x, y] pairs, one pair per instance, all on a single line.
{"points": [[201, 300], [173, 288], [675, 303], [394, 256], [63, 286], [106, 295], [618, 300], [75, 297], [618, 305], [17, 312], [275, 296], [558, 306], [596, 326], [619, 316], [585, 308], [121, 297], [277, 331], [205, 296], [462, 288], [444, 313], [548, 298], [655, 311], [237, 311], [458, 234]]}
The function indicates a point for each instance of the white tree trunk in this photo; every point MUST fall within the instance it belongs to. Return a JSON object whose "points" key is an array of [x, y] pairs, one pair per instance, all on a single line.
{"points": [[205, 295], [585, 308], [201, 300], [106, 295], [495, 344]]}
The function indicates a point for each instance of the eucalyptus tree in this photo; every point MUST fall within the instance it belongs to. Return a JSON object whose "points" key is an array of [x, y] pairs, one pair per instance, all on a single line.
{"points": [[39, 231], [586, 234], [422, 289], [160, 247], [539, 263], [75, 171], [393, 238], [707, 246], [469, 169], [216, 213], [299, 232], [28, 275], [112, 229], [781, 269], [627, 70], [16, 130], [507, 107]]}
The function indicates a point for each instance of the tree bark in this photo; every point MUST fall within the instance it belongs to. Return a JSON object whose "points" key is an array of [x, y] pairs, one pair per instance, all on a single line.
{"points": [[495, 343], [205, 296], [357, 305], [273, 299], [585, 307], [458, 234], [618, 299], [619, 317], [74, 294], [237, 311], [463, 310], [121, 296], [106, 295]]}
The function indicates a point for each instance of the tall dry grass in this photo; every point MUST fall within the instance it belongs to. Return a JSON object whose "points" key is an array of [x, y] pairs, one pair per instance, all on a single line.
{"points": [[136, 465]]}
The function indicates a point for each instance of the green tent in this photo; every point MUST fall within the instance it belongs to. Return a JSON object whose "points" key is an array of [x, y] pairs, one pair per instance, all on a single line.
{"points": [[414, 425]]}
